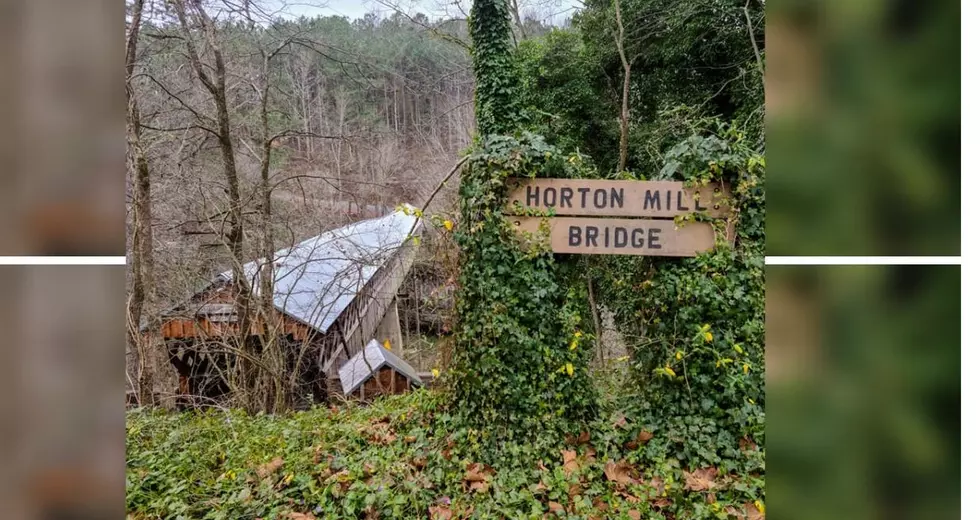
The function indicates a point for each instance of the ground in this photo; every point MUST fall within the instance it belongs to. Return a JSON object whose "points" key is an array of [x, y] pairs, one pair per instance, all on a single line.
{"points": [[400, 458]]}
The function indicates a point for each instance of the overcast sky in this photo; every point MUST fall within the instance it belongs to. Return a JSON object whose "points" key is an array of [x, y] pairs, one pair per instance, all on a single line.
{"points": [[553, 10]]}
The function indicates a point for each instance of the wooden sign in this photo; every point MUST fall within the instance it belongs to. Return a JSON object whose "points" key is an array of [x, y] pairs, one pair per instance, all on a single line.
{"points": [[616, 236], [601, 198]]}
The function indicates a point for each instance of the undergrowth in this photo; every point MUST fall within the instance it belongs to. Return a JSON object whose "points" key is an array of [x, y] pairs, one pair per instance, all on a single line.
{"points": [[403, 457]]}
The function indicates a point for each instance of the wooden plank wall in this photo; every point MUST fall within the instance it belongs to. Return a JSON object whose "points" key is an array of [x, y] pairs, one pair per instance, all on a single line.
{"points": [[180, 328], [372, 388], [189, 326]]}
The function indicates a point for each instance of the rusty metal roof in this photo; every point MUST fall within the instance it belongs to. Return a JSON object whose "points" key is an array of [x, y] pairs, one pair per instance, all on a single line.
{"points": [[364, 364], [318, 278]]}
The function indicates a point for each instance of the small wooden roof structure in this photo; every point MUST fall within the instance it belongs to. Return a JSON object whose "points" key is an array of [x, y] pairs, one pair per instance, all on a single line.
{"points": [[362, 366]]}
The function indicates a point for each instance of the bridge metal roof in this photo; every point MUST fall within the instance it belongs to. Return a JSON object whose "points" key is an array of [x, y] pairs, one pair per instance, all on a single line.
{"points": [[318, 278]]}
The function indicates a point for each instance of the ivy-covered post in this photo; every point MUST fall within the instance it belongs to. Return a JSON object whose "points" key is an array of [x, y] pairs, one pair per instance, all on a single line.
{"points": [[497, 88], [519, 366]]}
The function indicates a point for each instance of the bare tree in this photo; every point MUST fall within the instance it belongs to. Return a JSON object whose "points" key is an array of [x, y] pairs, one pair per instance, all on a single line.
{"points": [[624, 114], [141, 257]]}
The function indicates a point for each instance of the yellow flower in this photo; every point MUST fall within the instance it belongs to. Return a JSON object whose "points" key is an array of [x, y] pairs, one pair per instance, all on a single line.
{"points": [[435, 373], [569, 368], [574, 344], [737, 348], [760, 506], [670, 371], [679, 355], [745, 368], [578, 334], [387, 345], [448, 224], [288, 479]]}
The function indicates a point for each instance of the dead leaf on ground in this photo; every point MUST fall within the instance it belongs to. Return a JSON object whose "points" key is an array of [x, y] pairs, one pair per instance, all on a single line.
{"points": [[644, 437], [711, 498], [410, 439], [555, 507], [440, 512], [581, 438], [343, 478], [620, 421], [620, 472], [574, 490], [702, 479], [382, 436], [747, 444], [733, 511], [477, 477], [541, 466], [539, 487], [631, 445], [661, 503], [634, 514], [300, 516], [419, 462], [569, 462], [269, 468], [629, 498], [589, 455], [601, 505]]}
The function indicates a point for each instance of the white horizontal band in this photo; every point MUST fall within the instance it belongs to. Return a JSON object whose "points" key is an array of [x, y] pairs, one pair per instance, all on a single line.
{"points": [[62, 260], [863, 260]]}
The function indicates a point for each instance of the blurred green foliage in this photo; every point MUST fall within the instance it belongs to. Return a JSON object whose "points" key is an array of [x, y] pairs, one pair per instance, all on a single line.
{"points": [[863, 126], [863, 388]]}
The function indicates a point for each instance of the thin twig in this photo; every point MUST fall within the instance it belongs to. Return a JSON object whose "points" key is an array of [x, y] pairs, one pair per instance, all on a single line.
{"points": [[755, 46], [439, 187]]}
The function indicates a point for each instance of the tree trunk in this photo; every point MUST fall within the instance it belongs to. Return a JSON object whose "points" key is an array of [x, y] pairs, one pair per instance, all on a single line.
{"points": [[624, 119], [272, 350], [624, 115], [234, 238], [141, 258]]}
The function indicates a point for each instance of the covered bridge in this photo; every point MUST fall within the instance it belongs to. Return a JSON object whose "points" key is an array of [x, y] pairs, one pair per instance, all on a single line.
{"points": [[333, 293]]}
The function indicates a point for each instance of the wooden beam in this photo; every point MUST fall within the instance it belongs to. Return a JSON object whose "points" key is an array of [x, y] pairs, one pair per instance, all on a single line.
{"points": [[333, 359]]}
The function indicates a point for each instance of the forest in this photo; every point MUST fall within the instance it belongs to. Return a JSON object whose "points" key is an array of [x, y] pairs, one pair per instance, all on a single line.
{"points": [[561, 386]]}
